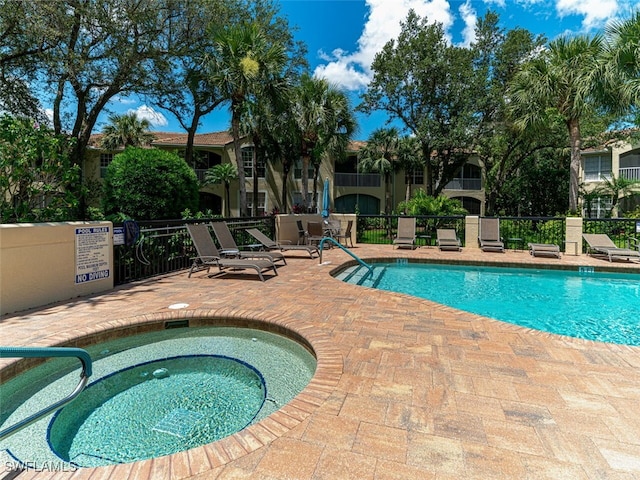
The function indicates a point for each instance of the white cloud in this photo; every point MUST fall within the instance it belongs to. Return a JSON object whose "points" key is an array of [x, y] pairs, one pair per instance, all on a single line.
{"points": [[595, 12], [353, 70], [470, 18], [156, 119]]}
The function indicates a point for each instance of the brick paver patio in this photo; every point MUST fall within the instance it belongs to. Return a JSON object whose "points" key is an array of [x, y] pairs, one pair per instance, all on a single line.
{"points": [[405, 388]]}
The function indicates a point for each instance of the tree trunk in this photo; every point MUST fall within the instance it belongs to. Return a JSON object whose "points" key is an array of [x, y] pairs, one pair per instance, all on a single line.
{"points": [[235, 131], [573, 125], [305, 180], [286, 167]]}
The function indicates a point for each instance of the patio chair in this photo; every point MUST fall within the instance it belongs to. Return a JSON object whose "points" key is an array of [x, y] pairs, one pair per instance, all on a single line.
{"points": [[315, 232], [270, 244], [406, 236], [544, 250], [209, 256], [601, 244], [302, 233], [489, 237], [446, 239], [346, 235], [229, 248]]}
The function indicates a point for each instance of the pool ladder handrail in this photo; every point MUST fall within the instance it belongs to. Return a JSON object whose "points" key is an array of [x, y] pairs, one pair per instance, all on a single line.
{"points": [[345, 249], [42, 352]]}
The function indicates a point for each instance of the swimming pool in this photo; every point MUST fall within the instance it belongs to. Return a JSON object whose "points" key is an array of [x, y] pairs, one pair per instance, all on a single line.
{"points": [[590, 305], [154, 394]]}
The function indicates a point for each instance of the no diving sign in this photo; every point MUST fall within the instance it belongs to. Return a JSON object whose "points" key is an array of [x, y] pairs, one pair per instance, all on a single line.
{"points": [[92, 254]]}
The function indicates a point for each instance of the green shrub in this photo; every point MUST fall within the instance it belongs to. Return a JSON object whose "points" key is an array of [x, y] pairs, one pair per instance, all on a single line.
{"points": [[149, 184]]}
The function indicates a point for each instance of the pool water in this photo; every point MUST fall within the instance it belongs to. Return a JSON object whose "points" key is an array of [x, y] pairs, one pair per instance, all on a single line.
{"points": [[188, 401], [595, 306], [237, 375]]}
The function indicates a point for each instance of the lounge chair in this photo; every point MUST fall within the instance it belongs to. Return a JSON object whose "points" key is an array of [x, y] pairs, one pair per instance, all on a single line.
{"points": [[346, 235], [446, 239], [270, 245], [209, 256], [229, 248], [489, 238], [601, 244], [406, 236], [544, 250]]}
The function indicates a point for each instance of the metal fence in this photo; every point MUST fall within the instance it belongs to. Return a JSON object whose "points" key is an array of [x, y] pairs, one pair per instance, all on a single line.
{"points": [[618, 229], [382, 229], [164, 246]]}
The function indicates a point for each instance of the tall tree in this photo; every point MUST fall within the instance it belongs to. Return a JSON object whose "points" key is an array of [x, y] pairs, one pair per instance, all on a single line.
{"points": [[180, 84], [560, 78], [27, 31], [428, 85], [126, 130], [242, 59], [619, 66], [380, 154], [325, 123]]}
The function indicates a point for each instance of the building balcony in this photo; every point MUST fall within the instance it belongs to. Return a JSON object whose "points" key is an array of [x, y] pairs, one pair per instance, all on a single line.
{"points": [[357, 180], [464, 184], [630, 173]]}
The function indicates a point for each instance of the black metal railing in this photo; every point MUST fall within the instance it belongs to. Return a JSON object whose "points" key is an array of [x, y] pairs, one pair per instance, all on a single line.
{"points": [[518, 232], [381, 229], [164, 246], [620, 230]]}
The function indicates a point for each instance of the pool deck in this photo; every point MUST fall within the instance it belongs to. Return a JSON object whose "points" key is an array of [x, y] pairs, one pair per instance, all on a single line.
{"points": [[407, 389]]}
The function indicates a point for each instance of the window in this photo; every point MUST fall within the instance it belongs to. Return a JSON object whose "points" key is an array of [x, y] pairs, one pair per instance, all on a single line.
{"points": [[596, 167], [105, 161], [247, 163], [297, 170], [262, 203], [297, 198], [600, 208], [417, 176]]}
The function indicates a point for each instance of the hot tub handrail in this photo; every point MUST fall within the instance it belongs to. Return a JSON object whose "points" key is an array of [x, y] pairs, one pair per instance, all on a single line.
{"points": [[338, 244], [42, 352]]}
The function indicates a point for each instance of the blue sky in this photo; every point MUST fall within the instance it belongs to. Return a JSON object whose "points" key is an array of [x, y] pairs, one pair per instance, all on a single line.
{"points": [[343, 36]]}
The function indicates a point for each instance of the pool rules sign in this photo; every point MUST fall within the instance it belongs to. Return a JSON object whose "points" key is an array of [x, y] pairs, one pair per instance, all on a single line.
{"points": [[92, 254]]}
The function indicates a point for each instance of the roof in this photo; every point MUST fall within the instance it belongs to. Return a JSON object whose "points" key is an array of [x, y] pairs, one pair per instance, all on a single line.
{"points": [[212, 139]]}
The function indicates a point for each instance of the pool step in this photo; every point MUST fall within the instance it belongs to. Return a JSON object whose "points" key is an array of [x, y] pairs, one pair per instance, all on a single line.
{"points": [[178, 423], [362, 276]]}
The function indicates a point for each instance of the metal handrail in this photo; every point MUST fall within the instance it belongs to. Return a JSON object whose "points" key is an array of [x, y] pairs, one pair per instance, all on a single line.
{"points": [[345, 249], [41, 352]]}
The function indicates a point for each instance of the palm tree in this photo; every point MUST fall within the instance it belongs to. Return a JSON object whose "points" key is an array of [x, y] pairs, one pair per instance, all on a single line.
{"points": [[223, 173], [409, 159], [242, 60], [616, 188], [620, 63], [325, 123], [126, 131], [561, 78], [380, 154]]}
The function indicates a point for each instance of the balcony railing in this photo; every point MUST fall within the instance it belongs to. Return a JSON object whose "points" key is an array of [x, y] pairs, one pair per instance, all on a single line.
{"points": [[357, 180], [630, 173], [464, 184]]}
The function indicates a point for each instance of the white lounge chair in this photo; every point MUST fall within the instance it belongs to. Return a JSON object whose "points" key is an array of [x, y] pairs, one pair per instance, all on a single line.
{"points": [[489, 237], [270, 244], [446, 239], [209, 256], [406, 236], [601, 244], [544, 250]]}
